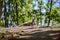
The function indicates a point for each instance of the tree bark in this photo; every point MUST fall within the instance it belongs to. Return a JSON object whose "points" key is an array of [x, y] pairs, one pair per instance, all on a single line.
{"points": [[0, 9], [5, 15], [50, 12], [16, 12], [41, 13]]}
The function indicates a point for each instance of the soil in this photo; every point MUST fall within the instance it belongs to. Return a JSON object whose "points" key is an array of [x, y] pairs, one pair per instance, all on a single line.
{"points": [[32, 33]]}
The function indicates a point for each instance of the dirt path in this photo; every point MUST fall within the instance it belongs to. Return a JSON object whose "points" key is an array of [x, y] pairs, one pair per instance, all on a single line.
{"points": [[41, 34], [29, 33]]}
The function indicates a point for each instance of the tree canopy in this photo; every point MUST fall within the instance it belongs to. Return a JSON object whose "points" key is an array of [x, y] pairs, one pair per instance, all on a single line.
{"points": [[16, 12]]}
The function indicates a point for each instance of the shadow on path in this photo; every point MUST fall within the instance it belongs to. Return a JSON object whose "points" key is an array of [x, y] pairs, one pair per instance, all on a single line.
{"points": [[44, 35]]}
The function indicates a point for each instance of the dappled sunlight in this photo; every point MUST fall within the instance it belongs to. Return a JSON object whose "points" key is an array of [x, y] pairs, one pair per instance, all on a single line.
{"points": [[25, 37], [29, 19], [52, 34], [29, 33]]}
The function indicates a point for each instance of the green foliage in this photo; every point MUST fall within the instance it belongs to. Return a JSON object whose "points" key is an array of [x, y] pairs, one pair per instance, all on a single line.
{"points": [[26, 10], [1, 23]]}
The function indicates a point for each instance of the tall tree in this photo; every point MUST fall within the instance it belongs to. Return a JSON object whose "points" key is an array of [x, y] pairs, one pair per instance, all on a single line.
{"points": [[5, 14], [16, 11], [50, 12], [40, 9], [0, 10]]}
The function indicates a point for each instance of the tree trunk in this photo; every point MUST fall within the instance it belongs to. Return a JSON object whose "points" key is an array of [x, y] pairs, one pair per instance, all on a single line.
{"points": [[41, 13], [5, 15], [16, 13], [48, 22], [50, 12], [0, 9]]}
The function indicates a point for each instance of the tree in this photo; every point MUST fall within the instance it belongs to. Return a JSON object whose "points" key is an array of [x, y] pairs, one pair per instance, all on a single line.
{"points": [[5, 14], [40, 9], [16, 11], [50, 12], [0, 10]]}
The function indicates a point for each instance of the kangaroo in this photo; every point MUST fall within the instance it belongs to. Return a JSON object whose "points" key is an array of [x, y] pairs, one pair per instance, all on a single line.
{"points": [[30, 23]]}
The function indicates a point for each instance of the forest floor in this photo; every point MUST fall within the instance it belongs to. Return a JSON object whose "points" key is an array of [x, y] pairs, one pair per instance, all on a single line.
{"points": [[30, 33]]}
